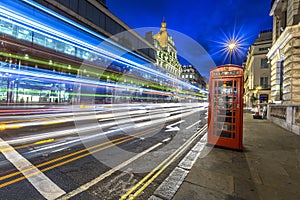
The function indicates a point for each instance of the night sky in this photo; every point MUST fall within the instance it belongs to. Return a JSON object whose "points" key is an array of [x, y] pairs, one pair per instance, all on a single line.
{"points": [[210, 23]]}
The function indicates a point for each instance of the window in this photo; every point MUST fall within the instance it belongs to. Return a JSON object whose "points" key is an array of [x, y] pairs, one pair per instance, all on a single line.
{"points": [[264, 63], [74, 5], [65, 2], [92, 13], [50, 43], [69, 49], [111, 26], [263, 49], [264, 82], [24, 34], [39, 39], [82, 8], [6, 27]]}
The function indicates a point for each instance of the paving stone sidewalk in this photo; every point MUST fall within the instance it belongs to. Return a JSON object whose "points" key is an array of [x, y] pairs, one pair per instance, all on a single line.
{"points": [[267, 168]]}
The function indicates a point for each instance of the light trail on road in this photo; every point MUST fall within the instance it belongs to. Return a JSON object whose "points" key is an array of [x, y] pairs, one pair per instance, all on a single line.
{"points": [[117, 124], [89, 151]]}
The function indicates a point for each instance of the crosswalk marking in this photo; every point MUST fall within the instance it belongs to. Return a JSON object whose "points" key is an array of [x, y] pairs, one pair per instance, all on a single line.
{"points": [[40, 181]]}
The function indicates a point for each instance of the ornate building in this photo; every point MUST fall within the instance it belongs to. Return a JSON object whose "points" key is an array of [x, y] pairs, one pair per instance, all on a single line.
{"points": [[284, 54], [166, 53], [257, 71], [191, 74]]}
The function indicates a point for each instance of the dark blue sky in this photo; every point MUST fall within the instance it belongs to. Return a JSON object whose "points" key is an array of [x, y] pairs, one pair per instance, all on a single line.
{"points": [[208, 22]]}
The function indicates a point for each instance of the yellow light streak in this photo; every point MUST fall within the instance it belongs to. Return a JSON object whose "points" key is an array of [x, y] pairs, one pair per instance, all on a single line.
{"points": [[2, 127], [44, 141]]}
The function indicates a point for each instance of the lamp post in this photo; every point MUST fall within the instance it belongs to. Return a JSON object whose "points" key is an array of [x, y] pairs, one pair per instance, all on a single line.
{"points": [[231, 45]]}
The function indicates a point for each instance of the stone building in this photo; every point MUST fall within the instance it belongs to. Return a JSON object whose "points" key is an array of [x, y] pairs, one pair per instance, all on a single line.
{"points": [[284, 54], [166, 53], [191, 74], [257, 71]]}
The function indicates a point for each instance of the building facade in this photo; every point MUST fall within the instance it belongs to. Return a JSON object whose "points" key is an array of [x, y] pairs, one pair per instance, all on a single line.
{"points": [[284, 54], [166, 53], [257, 71], [191, 74], [60, 44], [95, 15]]}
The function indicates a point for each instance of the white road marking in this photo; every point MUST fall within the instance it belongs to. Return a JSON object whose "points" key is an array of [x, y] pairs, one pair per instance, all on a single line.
{"points": [[86, 186], [166, 140], [176, 123], [193, 124], [168, 188], [176, 128], [40, 181]]}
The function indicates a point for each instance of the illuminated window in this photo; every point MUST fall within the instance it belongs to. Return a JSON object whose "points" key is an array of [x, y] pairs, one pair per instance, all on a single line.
{"points": [[6, 28], [50, 43], [60, 46], [39, 39], [24, 34], [69, 49], [86, 55], [79, 53]]}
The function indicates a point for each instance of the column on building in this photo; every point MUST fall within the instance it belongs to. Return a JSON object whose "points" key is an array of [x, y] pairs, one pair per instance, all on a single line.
{"points": [[285, 52]]}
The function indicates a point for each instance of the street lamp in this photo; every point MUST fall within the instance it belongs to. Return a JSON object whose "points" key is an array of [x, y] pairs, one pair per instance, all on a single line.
{"points": [[231, 45]]}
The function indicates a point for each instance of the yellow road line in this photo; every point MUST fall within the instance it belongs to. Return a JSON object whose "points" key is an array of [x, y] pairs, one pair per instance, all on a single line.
{"points": [[155, 173], [91, 183], [70, 160], [40, 182], [60, 158], [59, 164]]}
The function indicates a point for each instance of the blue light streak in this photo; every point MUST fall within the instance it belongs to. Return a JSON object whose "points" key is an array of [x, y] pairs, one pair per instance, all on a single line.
{"points": [[47, 75], [19, 14], [34, 4]]}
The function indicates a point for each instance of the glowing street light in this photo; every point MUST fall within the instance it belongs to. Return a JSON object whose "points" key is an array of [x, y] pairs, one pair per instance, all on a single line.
{"points": [[231, 45]]}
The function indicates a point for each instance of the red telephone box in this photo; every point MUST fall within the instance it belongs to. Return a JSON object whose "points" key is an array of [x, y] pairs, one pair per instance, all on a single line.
{"points": [[225, 112]]}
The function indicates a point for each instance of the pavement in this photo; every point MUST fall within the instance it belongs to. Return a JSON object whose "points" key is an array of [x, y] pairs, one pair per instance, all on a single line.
{"points": [[267, 168]]}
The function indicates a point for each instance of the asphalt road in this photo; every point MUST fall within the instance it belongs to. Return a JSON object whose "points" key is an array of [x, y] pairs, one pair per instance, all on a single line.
{"points": [[95, 152]]}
